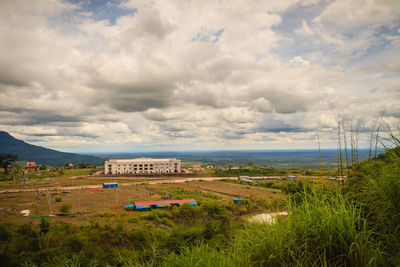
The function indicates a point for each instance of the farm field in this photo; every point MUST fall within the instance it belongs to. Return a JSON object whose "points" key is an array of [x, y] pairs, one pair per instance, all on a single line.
{"points": [[229, 190], [88, 203]]}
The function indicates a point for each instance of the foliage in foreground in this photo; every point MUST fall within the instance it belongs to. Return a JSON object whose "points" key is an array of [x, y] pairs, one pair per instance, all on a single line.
{"points": [[322, 230]]}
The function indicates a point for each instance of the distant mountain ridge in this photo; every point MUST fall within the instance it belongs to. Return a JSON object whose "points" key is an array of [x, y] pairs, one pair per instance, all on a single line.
{"points": [[41, 155]]}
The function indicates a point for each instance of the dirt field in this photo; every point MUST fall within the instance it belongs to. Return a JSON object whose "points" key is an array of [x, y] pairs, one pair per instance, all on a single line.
{"points": [[230, 190], [88, 203]]}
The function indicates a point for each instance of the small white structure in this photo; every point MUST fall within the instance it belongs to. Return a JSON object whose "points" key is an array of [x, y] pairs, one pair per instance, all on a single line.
{"points": [[25, 213], [142, 166], [269, 218]]}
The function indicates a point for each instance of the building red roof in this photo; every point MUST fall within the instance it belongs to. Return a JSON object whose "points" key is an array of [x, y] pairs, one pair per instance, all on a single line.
{"points": [[30, 164], [197, 166], [176, 201], [70, 165]]}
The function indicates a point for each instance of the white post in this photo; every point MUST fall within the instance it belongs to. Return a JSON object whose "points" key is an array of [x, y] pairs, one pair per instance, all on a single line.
{"points": [[49, 201]]}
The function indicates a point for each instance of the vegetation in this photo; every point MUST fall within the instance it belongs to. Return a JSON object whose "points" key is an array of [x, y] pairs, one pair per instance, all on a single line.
{"points": [[148, 238], [250, 171], [328, 224], [65, 208], [6, 161]]}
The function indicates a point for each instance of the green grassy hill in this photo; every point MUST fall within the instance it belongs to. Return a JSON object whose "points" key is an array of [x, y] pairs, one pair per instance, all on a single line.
{"points": [[41, 155]]}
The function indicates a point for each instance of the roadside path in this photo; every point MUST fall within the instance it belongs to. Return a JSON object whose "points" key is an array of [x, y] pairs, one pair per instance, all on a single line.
{"points": [[74, 187]]}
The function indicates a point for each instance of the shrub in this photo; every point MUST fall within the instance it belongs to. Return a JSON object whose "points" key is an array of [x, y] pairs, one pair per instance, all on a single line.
{"points": [[66, 208]]}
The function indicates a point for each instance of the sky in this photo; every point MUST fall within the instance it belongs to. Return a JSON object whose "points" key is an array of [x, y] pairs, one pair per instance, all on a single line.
{"points": [[140, 75]]}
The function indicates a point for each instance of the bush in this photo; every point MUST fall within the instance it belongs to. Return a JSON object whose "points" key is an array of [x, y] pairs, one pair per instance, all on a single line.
{"points": [[66, 208], [58, 199]]}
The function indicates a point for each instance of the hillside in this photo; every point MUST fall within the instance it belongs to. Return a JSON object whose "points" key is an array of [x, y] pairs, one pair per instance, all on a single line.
{"points": [[41, 155]]}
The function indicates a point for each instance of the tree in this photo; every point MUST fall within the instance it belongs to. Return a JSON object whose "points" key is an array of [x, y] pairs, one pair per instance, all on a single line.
{"points": [[43, 167], [83, 165], [6, 161]]}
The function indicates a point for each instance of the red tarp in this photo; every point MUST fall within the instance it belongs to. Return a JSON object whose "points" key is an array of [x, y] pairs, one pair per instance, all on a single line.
{"points": [[176, 201], [94, 190]]}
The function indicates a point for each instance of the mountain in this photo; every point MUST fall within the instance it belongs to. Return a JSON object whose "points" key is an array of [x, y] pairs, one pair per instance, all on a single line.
{"points": [[41, 155]]}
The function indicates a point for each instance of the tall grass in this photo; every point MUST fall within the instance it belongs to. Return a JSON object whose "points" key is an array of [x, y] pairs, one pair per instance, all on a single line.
{"points": [[376, 185], [321, 230]]}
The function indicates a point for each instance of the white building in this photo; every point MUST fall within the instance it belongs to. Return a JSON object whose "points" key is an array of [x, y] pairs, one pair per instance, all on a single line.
{"points": [[142, 166]]}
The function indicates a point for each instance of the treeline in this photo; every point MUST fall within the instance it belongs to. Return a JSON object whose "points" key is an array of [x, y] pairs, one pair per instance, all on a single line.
{"points": [[250, 171]]}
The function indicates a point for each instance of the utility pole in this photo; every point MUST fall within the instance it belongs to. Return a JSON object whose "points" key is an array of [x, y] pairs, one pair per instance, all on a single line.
{"points": [[49, 201]]}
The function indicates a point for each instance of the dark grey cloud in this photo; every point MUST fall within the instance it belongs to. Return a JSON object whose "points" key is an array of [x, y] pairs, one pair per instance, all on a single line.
{"points": [[136, 103], [285, 100], [272, 125], [11, 75]]}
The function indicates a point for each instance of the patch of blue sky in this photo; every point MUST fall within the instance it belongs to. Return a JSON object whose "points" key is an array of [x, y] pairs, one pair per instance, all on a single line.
{"points": [[103, 9], [293, 17], [217, 35], [208, 37], [380, 48], [293, 44]]}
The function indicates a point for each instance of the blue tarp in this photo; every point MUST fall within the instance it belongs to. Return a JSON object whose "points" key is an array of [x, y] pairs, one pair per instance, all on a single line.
{"points": [[147, 207], [193, 203], [110, 185]]}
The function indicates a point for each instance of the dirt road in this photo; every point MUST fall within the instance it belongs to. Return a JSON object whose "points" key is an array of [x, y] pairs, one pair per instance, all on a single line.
{"points": [[159, 181]]}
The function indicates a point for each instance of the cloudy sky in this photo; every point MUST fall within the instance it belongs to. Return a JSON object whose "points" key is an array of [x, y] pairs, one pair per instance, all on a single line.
{"points": [[140, 75]]}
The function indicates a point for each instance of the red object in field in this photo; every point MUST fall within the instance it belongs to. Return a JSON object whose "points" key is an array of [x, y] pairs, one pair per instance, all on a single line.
{"points": [[197, 166], [94, 190], [30, 165], [176, 201], [117, 207]]}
